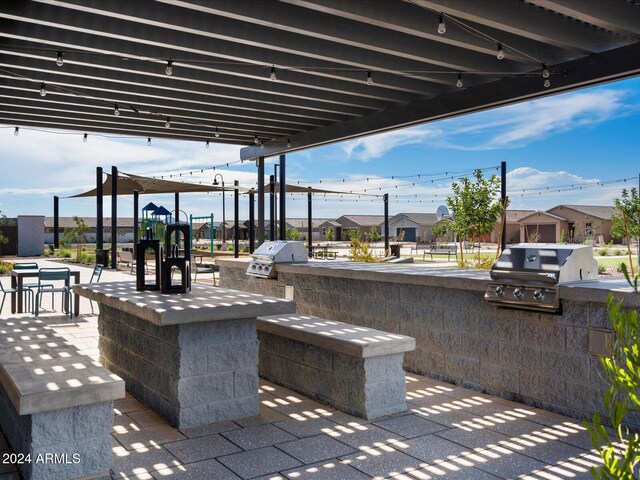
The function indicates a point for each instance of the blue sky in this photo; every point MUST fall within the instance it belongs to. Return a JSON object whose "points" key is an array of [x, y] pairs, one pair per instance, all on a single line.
{"points": [[578, 138]]}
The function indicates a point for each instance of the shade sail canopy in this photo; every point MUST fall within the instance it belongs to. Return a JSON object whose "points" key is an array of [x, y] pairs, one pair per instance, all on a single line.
{"points": [[292, 74], [129, 183], [300, 189]]}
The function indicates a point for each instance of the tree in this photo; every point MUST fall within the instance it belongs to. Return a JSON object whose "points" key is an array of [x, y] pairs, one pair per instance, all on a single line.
{"points": [[475, 206], [3, 221], [353, 233], [626, 224], [439, 231], [329, 234], [374, 235], [76, 235], [291, 233]]}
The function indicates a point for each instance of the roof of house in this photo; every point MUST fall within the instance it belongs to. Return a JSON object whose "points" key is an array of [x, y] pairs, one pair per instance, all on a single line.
{"points": [[332, 223], [543, 213], [360, 220], [514, 216], [598, 211], [418, 218]]}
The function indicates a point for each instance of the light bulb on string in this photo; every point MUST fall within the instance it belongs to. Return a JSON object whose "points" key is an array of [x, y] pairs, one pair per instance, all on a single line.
{"points": [[255, 139], [43, 90], [545, 71], [116, 109], [272, 74], [16, 132], [216, 133], [262, 145], [369, 78], [500, 53], [148, 141], [206, 145], [169, 69], [167, 124], [442, 27], [546, 83], [84, 138], [288, 143], [459, 82], [59, 59]]}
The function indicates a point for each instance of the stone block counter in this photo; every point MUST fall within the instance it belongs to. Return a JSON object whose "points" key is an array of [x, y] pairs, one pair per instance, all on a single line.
{"points": [[191, 357], [544, 360]]}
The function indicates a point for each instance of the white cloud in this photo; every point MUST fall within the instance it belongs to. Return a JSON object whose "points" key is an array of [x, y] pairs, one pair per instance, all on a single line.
{"points": [[375, 146]]}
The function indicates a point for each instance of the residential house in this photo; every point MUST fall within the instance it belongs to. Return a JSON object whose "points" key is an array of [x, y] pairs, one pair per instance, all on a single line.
{"points": [[412, 227], [586, 221], [542, 227], [332, 225], [125, 228], [512, 226], [362, 223]]}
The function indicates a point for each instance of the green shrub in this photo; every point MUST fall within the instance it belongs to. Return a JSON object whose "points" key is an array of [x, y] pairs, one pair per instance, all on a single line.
{"points": [[601, 269], [230, 247], [361, 251], [3, 269], [603, 252], [64, 253], [617, 251], [244, 248]]}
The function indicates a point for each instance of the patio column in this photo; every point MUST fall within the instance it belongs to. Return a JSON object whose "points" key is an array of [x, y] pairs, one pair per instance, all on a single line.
{"points": [[283, 199], [114, 216], [272, 208], [56, 222], [252, 231], [260, 200], [177, 207], [236, 219], [310, 227], [503, 199], [99, 210], [386, 224], [135, 220]]}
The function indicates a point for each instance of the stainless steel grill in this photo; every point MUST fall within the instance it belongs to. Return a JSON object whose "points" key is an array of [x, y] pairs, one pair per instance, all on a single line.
{"points": [[268, 254], [527, 276]]}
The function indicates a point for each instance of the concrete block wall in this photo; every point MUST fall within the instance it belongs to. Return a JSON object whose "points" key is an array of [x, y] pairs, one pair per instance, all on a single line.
{"points": [[367, 387], [535, 358], [30, 235], [195, 374], [78, 437]]}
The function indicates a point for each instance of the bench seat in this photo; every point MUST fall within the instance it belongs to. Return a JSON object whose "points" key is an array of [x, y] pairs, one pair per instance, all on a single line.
{"points": [[355, 369], [54, 400]]}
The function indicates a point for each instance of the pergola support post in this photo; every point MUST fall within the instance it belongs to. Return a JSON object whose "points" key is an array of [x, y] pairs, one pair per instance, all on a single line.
{"points": [[252, 231], [135, 221], [310, 226], [503, 199], [114, 216], [272, 208], [236, 218], [386, 224], [283, 198], [260, 200], [99, 213], [56, 222]]}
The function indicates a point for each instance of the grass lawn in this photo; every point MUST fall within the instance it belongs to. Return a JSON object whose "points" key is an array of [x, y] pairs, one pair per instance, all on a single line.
{"points": [[616, 261]]}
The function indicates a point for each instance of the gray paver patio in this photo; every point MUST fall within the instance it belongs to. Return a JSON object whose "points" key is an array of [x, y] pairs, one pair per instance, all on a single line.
{"points": [[448, 433]]}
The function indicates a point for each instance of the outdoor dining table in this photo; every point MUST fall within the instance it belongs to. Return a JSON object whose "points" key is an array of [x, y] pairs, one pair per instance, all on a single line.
{"points": [[17, 282]]}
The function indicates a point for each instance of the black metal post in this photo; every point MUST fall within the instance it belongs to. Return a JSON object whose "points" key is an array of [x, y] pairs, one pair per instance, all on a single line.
{"points": [[56, 222], [503, 199], [114, 216], [99, 211], [260, 200], [283, 202], [272, 208], [236, 218], [252, 231], [177, 208], [275, 202], [310, 227], [386, 224], [135, 220]]}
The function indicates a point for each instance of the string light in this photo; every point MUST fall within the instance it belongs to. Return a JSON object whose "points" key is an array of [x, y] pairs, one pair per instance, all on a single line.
{"points": [[255, 139], [167, 124], [288, 143], [206, 145], [16, 132], [369, 78], [546, 83], [59, 60], [442, 27], [169, 69], [459, 82], [84, 138], [261, 147], [272, 75], [545, 71], [216, 133], [148, 141], [116, 109], [500, 53], [43, 90]]}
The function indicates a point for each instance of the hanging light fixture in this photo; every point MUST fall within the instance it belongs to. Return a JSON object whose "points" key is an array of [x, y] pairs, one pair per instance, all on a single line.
{"points": [[116, 109], [369, 78], [217, 133], [43, 90], [262, 145], [442, 28], [500, 53], [459, 82], [167, 124], [16, 132], [546, 83], [84, 138], [206, 145], [545, 71], [148, 141], [255, 139], [59, 60], [169, 69], [288, 143], [272, 75]]}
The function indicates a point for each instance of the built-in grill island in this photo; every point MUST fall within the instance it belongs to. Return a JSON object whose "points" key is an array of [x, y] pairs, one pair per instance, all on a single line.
{"points": [[527, 276], [268, 254]]}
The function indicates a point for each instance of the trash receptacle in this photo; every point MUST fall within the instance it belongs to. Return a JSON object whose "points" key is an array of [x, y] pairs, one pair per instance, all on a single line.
{"points": [[102, 257], [395, 250]]}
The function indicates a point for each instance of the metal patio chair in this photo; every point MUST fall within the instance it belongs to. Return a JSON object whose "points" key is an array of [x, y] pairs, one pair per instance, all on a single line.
{"points": [[54, 275], [95, 277], [4, 294]]}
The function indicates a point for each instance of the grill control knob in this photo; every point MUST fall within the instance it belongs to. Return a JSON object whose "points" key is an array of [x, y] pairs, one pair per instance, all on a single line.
{"points": [[499, 290], [517, 292], [538, 295], [253, 267]]}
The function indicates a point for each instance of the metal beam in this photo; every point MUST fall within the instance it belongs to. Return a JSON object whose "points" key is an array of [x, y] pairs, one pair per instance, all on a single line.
{"points": [[56, 222], [252, 227], [236, 219], [260, 165], [283, 198], [99, 212], [114, 218]]}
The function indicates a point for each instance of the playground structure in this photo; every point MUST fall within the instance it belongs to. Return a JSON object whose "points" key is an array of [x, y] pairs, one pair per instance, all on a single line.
{"points": [[209, 218]]}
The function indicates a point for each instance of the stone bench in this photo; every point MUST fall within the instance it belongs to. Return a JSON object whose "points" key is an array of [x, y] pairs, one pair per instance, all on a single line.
{"points": [[56, 405], [355, 369]]}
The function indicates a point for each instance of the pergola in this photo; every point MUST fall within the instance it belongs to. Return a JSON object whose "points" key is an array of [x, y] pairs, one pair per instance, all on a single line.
{"points": [[277, 76]]}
